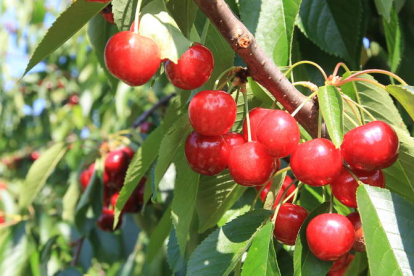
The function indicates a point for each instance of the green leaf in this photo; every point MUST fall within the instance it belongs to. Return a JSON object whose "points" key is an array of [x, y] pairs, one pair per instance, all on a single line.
{"points": [[215, 196], [157, 24], [222, 249], [273, 191], [271, 22], [39, 172], [184, 201], [65, 26], [159, 234], [394, 41], [358, 264], [405, 95], [384, 8], [333, 26], [174, 256], [143, 158], [259, 259], [242, 206], [184, 13], [305, 263], [260, 93], [387, 218], [331, 106], [124, 13]]}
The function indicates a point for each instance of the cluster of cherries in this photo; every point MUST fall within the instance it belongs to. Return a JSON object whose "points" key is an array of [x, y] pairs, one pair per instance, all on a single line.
{"points": [[115, 167], [253, 158]]}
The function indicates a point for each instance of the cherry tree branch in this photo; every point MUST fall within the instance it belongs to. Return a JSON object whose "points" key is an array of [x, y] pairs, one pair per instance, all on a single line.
{"points": [[261, 68]]}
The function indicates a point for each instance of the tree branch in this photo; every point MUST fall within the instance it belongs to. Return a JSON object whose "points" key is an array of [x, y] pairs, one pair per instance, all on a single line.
{"points": [[261, 68]]}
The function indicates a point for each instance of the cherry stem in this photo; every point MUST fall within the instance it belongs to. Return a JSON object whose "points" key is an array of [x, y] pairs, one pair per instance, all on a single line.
{"points": [[137, 11], [281, 201], [294, 194], [319, 123], [310, 85], [306, 62], [379, 71], [340, 83], [78, 250], [356, 178], [351, 120], [221, 76], [303, 103], [246, 108], [346, 98], [330, 202], [352, 107], [237, 95]]}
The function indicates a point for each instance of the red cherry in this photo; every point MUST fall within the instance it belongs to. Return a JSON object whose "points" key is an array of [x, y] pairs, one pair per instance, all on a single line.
{"points": [[316, 162], [135, 201], [106, 220], [285, 184], [116, 162], [132, 58], [279, 133], [288, 222], [109, 17], [355, 219], [129, 152], [132, 28], [341, 265], [234, 139], [144, 127], [250, 165], [344, 187], [206, 154], [34, 155], [73, 99], [330, 236], [2, 220], [84, 178], [255, 115], [192, 70], [212, 112], [370, 147]]}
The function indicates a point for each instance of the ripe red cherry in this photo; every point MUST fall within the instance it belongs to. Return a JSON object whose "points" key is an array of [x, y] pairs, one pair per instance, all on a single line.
{"points": [[34, 155], [370, 147], [250, 165], [116, 162], [135, 201], [330, 236], [355, 219], [288, 222], [73, 99], [84, 179], [234, 139], [144, 127], [132, 58], [2, 220], [344, 187], [285, 184], [255, 115], [316, 162], [340, 266], [279, 133], [106, 220], [192, 70], [206, 154], [128, 151], [212, 112]]}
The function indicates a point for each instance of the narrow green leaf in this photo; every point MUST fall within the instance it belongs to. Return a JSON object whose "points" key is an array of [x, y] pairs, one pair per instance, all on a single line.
{"points": [[273, 191], [405, 95], [260, 261], [242, 206], [174, 256], [159, 234], [387, 217], [39, 173], [65, 26], [384, 8], [124, 13], [184, 13], [305, 263], [260, 93], [222, 249], [394, 41], [143, 158], [331, 106], [184, 201]]}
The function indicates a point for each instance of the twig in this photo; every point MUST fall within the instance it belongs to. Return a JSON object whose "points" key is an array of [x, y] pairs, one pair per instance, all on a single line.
{"points": [[77, 253]]}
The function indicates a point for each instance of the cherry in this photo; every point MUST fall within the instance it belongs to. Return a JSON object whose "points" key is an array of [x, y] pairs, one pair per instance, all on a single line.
{"points": [[250, 165], [106, 220], [316, 162], [370, 147], [73, 99], [288, 222], [135, 201], [234, 139], [206, 154], [144, 127], [116, 162], [34, 155], [279, 133], [192, 70], [344, 187], [330, 236], [129, 152], [2, 220], [132, 58], [107, 194], [340, 266], [84, 179], [355, 219], [255, 115], [285, 184], [212, 112]]}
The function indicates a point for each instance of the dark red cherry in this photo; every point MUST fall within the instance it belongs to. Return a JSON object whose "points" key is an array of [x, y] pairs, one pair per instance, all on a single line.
{"points": [[370, 147], [129, 152], [355, 219], [206, 154], [279, 133], [192, 70], [212, 112], [340, 266], [144, 127], [116, 162], [132, 58], [288, 222], [135, 201], [255, 115], [344, 187], [250, 165], [234, 139], [316, 162], [285, 184], [84, 179], [106, 220], [108, 14], [330, 236]]}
